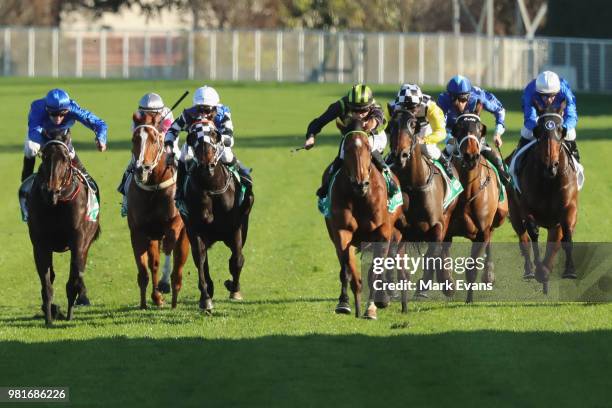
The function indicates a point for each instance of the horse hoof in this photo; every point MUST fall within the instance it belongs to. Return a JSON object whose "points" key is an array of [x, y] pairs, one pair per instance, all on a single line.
{"points": [[163, 287], [206, 306], [529, 275], [82, 300], [421, 295], [144, 306], [343, 308], [569, 275], [381, 305], [237, 296], [157, 298], [370, 313]]}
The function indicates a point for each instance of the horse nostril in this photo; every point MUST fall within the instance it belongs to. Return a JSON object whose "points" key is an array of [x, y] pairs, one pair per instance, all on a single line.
{"points": [[404, 155]]}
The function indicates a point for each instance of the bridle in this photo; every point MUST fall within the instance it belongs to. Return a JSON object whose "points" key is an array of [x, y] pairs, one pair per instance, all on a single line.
{"points": [[68, 174], [457, 153], [352, 179], [147, 168], [551, 123], [413, 136], [202, 137]]}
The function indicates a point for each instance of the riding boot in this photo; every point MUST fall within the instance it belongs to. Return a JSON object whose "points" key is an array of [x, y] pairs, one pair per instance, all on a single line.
{"points": [[28, 167], [335, 166], [383, 168], [448, 166], [181, 174], [499, 165], [390, 159], [76, 162], [573, 148]]}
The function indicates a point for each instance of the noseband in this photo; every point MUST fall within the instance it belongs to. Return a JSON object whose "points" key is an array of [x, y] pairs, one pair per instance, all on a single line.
{"points": [[468, 136]]}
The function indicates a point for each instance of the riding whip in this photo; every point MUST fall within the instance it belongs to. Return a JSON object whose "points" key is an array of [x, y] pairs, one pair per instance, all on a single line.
{"points": [[176, 103]]}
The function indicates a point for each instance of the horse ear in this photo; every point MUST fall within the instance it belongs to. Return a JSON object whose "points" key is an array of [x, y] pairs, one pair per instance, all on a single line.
{"points": [[136, 117], [483, 129], [539, 107], [562, 108], [478, 108]]}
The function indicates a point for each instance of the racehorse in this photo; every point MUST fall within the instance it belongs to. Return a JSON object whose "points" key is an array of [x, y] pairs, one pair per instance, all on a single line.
{"points": [[424, 188], [152, 215], [59, 221], [214, 211], [479, 210], [359, 214], [548, 197]]}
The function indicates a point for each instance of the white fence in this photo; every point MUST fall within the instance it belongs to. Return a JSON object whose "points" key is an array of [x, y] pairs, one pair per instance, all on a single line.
{"points": [[501, 62]]}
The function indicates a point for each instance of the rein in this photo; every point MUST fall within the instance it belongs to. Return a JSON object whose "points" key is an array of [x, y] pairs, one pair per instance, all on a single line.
{"points": [[148, 167], [467, 137]]}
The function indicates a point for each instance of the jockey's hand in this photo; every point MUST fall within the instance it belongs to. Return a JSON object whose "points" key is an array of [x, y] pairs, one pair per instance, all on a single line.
{"points": [[309, 143], [368, 125], [498, 140], [101, 146]]}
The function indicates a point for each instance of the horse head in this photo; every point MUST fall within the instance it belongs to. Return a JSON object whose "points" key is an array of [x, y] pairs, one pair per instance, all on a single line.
{"points": [[403, 136], [56, 167], [206, 143], [147, 143], [357, 156], [468, 132], [549, 132]]}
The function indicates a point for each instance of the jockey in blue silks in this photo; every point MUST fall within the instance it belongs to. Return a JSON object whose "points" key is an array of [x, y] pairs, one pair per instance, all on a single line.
{"points": [[545, 91], [461, 97], [57, 111]]}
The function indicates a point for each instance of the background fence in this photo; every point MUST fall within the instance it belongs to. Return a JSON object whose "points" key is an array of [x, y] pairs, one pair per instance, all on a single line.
{"points": [[501, 62]]}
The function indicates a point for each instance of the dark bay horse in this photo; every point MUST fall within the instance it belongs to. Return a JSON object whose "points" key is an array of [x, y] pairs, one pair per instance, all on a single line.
{"points": [[479, 210], [58, 221], [152, 215], [548, 198], [214, 212], [424, 188], [359, 214]]}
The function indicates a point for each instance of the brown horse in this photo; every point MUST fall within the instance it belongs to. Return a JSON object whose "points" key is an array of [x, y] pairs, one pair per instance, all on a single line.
{"points": [[479, 210], [58, 221], [548, 198], [359, 214], [424, 188], [214, 212], [152, 216]]}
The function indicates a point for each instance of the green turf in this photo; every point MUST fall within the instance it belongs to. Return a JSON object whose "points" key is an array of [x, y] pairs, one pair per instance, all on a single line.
{"points": [[283, 345]]}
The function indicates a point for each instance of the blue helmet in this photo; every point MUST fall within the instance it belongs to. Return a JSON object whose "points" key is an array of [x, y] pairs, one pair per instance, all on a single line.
{"points": [[459, 85], [57, 100]]}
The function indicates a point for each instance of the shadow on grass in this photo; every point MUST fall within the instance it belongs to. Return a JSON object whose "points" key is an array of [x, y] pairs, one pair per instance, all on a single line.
{"points": [[482, 368]]}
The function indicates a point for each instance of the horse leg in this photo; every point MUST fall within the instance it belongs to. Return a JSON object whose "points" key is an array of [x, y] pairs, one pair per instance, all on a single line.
{"points": [[168, 243], [346, 257], [153, 258], [43, 259], [78, 260], [567, 227], [181, 250], [236, 262], [446, 275], [534, 234], [552, 247], [402, 277], [478, 248], [488, 276], [139, 246], [343, 306], [199, 254]]}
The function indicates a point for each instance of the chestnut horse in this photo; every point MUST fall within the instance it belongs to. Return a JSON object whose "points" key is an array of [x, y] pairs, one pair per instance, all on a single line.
{"points": [[214, 212], [479, 210], [359, 214], [423, 186], [548, 198], [152, 216], [58, 221]]}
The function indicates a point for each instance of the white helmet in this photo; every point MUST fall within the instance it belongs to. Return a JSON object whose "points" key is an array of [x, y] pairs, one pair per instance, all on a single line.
{"points": [[548, 82], [206, 95], [151, 102]]}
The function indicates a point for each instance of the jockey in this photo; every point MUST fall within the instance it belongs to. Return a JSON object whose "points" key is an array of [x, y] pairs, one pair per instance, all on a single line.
{"points": [[57, 111], [461, 97], [359, 100], [544, 91], [430, 121], [150, 104], [206, 106]]}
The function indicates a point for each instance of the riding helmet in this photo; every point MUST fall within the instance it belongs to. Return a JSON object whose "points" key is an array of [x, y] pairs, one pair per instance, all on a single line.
{"points": [[409, 95], [360, 97], [548, 82], [151, 102], [207, 96], [57, 100], [459, 85]]}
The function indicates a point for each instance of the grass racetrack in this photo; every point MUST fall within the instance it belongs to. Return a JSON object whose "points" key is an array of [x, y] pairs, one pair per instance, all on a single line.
{"points": [[283, 345]]}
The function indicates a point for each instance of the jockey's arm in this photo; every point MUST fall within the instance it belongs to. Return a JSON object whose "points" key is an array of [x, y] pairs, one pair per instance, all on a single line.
{"points": [[35, 122], [226, 129], [173, 133], [436, 120], [316, 125], [91, 121], [570, 114], [492, 105], [530, 114], [375, 121]]}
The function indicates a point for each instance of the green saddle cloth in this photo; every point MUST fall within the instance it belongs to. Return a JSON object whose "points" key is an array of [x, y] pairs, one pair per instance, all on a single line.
{"points": [[454, 185], [394, 200], [502, 189]]}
